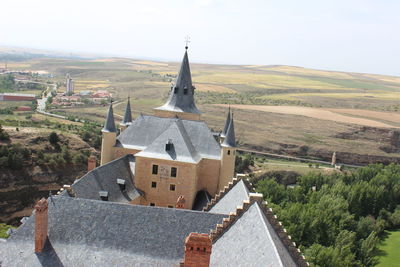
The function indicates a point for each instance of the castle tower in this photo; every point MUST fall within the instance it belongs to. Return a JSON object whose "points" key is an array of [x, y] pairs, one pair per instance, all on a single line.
{"points": [[181, 97], [127, 120], [228, 154], [109, 137], [69, 84]]}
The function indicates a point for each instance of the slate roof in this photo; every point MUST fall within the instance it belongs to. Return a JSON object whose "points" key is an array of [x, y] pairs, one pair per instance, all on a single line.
{"points": [[251, 241], [195, 135], [228, 120], [98, 233], [104, 178], [181, 147], [179, 100], [109, 126], [230, 139], [232, 199], [127, 119]]}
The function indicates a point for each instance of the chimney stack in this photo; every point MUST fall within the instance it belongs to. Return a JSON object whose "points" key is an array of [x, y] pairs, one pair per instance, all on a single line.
{"points": [[180, 202], [41, 224], [197, 250], [91, 163]]}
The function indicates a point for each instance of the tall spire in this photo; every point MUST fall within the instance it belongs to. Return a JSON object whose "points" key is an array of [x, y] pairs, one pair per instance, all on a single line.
{"points": [[127, 120], [181, 95], [228, 120], [109, 126], [229, 140]]}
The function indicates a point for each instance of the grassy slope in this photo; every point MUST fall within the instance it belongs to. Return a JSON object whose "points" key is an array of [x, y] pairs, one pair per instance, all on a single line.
{"points": [[390, 256]]}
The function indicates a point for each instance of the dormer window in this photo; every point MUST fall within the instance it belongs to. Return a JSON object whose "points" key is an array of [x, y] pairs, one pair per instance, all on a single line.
{"points": [[176, 89], [168, 145], [121, 184], [103, 195], [185, 90]]}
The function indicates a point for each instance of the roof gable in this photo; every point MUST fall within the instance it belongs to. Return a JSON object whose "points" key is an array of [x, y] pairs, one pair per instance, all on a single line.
{"points": [[233, 198]]}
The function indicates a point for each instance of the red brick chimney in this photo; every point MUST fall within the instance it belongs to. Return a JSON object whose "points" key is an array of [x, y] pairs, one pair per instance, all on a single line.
{"points": [[197, 250], [41, 224], [180, 202], [91, 163]]}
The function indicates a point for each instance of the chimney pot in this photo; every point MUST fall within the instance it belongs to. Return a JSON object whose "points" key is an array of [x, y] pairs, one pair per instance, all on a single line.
{"points": [[180, 203], [91, 163], [41, 224], [197, 250]]}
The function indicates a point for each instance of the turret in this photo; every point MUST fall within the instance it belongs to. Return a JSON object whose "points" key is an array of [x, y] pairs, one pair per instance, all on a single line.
{"points": [[228, 120], [109, 136], [181, 97], [228, 153], [127, 120]]}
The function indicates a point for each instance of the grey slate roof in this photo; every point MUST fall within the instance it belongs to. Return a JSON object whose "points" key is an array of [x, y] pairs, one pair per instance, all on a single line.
{"points": [[127, 119], [109, 126], [251, 241], [147, 129], [230, 139], [178, 100], [86, 232], [228, 120], [232, 199], [182, 148], [104, 178]]}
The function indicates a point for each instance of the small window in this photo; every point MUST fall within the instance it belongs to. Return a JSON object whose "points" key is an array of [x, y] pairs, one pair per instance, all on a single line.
{"points": [[204, 249], [173, 172], [229, 152], [153, 184], [172, 187], [198, 249], [168, 146], [191, 248], [170, 206], [152, 204], [185, 91], [155, 169], [176, 90]]}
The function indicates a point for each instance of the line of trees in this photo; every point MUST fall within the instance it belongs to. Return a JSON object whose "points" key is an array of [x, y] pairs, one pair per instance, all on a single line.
{"points": [[339, 218]]}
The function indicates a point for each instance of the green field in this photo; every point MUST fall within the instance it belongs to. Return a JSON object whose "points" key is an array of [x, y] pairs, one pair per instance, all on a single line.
{"points": [[390, 250]]}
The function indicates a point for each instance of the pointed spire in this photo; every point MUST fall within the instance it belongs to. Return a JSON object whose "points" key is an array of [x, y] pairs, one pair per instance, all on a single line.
{"points": [[229, 140], [127, 120], [228, 120], [109, 126], [181, 95]]}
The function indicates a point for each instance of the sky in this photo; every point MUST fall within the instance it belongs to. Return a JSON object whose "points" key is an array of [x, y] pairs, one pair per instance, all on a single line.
{"points": [[344, 35]]}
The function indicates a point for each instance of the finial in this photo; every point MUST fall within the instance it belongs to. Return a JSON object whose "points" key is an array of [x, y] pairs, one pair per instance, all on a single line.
{"points": [[187, 41]]}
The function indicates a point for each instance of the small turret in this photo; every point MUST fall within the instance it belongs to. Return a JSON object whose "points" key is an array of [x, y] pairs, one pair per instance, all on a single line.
{"points": [[109, 137], [227, 122], [228, 154], [127, 120]]}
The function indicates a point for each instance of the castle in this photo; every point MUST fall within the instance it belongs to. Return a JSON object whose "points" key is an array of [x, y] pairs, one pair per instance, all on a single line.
{"points": [[202, 215], [175, 153]]}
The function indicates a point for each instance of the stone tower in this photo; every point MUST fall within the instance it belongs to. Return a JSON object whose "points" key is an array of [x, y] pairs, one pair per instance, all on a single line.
{"points": [[180, 102], [69, 84], [109, 136], [228, 153]]}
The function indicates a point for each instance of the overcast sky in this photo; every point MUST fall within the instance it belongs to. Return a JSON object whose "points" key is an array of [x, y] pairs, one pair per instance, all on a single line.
{"points": [[348, 35]]}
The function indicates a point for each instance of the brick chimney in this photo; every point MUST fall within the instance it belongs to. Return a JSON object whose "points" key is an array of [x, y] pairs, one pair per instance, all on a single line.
{"points": [[197, 250], [41, 224], [91, 163], [180, 202]]}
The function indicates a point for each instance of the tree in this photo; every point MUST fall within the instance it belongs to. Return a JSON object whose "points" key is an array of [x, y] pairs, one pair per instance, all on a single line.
{"points": [[54, 139], [4, 136]]}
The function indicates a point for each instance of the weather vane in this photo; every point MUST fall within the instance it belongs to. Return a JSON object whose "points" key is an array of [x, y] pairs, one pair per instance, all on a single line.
{"points": [[187, 41]]}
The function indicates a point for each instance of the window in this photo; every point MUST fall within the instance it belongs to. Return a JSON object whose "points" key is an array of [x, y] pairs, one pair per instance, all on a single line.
{"points": [[229, 152], [153, 184], [170, 206], [185, 91], [152, 204], [155, 169], [176, 90], [173, 172], [172, 187]]}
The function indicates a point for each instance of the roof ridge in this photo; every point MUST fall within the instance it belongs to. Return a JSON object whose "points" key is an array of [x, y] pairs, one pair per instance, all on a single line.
{"points": [[286, 239], [186, 138]]}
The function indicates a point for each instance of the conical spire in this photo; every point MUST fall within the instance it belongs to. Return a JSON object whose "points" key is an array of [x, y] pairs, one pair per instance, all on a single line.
{"points": [[109, 126], [228, 120], [127, 120], [181, 95], [229, 140]]}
